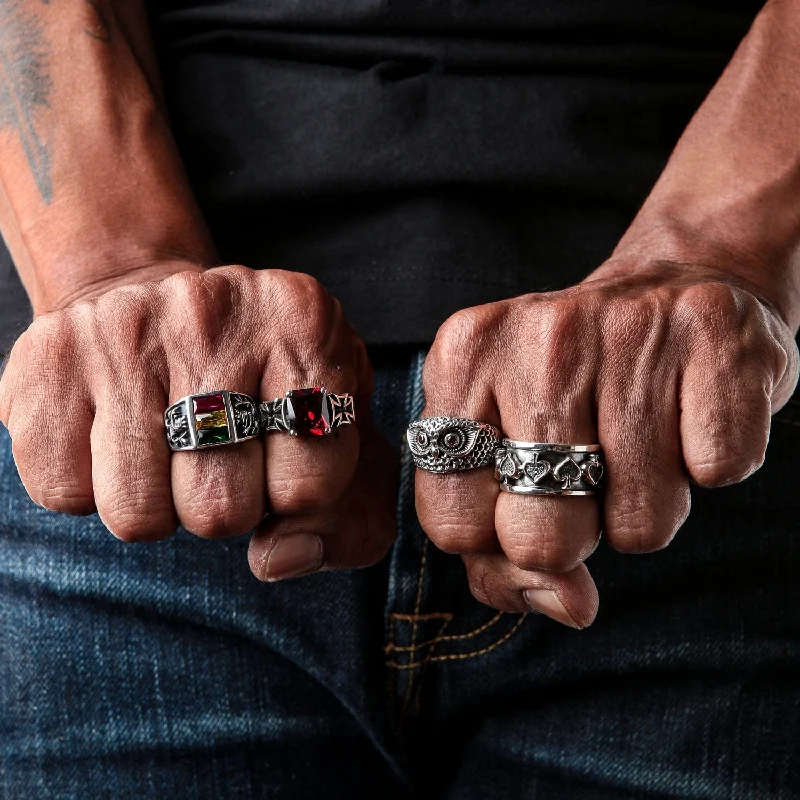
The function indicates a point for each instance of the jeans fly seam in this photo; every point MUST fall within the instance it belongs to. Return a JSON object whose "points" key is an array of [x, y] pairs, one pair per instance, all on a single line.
{"points": [[451, 638], [417, 606], [414, 403], [461, 656]]}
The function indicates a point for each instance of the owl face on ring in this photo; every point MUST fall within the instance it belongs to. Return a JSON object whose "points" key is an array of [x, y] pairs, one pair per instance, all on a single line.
{"points": [[439, 443]]}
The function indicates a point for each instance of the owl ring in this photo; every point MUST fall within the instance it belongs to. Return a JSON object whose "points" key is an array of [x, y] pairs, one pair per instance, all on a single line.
{"points": [[452, 444]]}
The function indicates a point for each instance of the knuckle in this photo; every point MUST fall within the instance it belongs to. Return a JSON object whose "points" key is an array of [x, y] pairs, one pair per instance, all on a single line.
{"points": [[47, 346], [455, 537], [450, 511], [123, 315], [644, 516], [305, 295], [64, 497], [557, 321], [723, 470], [8, 381], [136, 528], [233, 272], [712, 309], [307, 317], [460, 335], [553, 330], [544, 553], [779, 359], [46, 479], [133, 515], [45, 327], [303, 289], [299, 495], [479, 579], [218, 516], [202, 302], [637, 530]]}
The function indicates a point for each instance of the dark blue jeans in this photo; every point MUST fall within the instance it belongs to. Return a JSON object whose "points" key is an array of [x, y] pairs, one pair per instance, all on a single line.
{"points": [[167, 671]]}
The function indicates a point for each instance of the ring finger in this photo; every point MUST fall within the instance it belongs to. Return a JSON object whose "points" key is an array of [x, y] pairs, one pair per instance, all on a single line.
{"points": [[553, 533]]}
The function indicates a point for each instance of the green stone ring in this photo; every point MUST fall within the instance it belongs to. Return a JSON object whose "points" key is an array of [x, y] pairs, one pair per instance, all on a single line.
{"points": [[211, 419]]}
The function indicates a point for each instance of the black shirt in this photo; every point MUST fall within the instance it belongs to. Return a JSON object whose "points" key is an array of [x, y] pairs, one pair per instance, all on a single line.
{"points": [[419, 156]]}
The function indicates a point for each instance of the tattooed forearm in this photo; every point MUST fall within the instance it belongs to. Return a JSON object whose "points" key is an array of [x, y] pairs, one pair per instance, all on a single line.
{"points": [[102, 28], [25, 87], [25, 83]]}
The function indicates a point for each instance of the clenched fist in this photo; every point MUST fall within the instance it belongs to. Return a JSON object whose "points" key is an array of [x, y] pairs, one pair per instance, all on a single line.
{"points": [[86, 387], [675, 375]]}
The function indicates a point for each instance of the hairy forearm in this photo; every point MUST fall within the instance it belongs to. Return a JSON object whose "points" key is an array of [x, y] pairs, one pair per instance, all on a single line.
{"points": [[730, 194], [91, 184]]}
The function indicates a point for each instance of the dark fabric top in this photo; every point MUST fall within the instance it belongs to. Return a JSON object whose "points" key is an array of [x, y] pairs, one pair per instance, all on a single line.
{"points": [[419, 156]]}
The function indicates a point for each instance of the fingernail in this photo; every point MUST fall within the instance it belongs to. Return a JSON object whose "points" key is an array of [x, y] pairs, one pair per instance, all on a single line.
{"points": [[294, 555], [546, 601]]}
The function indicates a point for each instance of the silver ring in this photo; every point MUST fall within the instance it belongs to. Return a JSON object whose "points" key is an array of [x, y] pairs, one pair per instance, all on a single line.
{"points": [[308, 412], [452, 444], [547, 468], [211, 419]]}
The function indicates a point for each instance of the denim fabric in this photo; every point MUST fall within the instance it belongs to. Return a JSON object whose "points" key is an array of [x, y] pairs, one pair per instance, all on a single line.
{"points": [[167, 671]]}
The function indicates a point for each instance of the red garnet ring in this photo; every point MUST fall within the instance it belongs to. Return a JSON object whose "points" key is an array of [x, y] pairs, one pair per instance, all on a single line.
{"points": [[307, 412]]}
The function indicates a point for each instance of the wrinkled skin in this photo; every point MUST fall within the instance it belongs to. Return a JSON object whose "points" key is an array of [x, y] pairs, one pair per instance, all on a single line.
{"points": [[675, 374], [86, 386]]}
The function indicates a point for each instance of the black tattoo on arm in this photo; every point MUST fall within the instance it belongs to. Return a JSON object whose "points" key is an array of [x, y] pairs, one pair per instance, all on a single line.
{"points": [[25, 83], [25, 87], [102, 31]]}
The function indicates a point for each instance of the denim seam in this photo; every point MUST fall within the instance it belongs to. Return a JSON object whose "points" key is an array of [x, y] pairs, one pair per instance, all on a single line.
{"points": [[461, 656], [413, 405], [442, 638], [417, 605]]}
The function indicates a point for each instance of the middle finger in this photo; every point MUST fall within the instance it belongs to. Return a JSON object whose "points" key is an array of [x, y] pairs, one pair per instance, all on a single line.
{"points": [[548, 397]]}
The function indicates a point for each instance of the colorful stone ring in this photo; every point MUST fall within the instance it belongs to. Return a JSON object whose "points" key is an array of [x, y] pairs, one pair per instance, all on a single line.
{"points": [[210, 420], [308, 412]]}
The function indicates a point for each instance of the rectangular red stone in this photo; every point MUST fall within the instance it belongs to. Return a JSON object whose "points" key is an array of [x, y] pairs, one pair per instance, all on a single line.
{"points": [[209, 403]]}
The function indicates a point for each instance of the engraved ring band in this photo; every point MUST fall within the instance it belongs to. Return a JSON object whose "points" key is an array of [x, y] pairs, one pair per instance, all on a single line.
{"points": [[549, 468]]}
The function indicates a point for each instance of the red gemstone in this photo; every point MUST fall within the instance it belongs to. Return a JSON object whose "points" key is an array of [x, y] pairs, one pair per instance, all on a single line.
{"points": [[307, 412], [209, 403]]}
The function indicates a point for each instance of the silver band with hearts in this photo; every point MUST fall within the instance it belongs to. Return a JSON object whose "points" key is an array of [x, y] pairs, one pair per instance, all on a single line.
{"points": [[547, 468]]}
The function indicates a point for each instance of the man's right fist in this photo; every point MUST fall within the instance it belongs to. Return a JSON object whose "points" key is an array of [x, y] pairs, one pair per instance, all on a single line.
{"points": [[84, 394]]}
